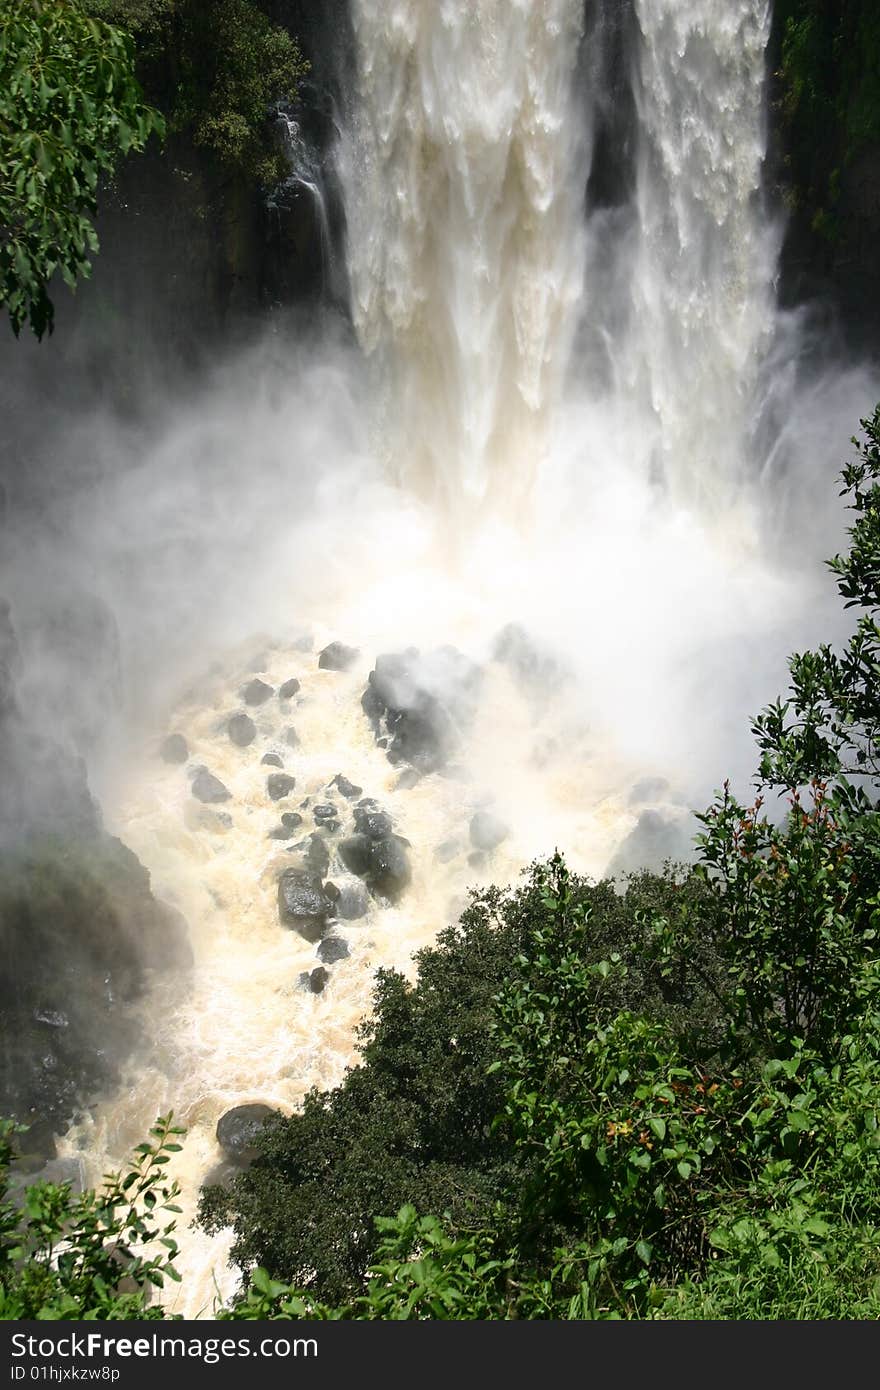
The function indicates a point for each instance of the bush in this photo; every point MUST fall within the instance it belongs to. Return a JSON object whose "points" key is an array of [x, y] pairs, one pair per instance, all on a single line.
{"points": [[64, 1255]]}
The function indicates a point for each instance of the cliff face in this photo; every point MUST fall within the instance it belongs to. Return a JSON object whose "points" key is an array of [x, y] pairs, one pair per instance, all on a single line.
{"points": [[825, 157]]}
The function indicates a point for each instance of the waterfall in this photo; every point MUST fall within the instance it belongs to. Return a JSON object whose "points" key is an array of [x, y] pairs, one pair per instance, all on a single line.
{"points": [[461, 172], [464, 171], [704, 257]]}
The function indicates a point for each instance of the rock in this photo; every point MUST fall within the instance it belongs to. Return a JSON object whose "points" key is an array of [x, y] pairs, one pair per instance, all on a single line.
{"points": [[658, 837], [347, 789], [291, 737], [325, 811], [390, 872], [317, 854], [355, 854], [279, 785], [256, 692], [373, 705], [288, 689], [353, 902], [447, 851], [407, 780], [333, 949], [419, 704], [291, 820], [238, 1130], [174, 749], [241, 729], [281, 832], [314, 980], [372, 823], [271, 760], [487, 832], [648, 789], [337, 657], [314, 854], [208, 788], [36, 1145], [302, 904], [331, 892]]}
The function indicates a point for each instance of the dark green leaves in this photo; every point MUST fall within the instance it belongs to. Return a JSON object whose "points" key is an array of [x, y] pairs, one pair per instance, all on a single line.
{"points": [[69, 109]]}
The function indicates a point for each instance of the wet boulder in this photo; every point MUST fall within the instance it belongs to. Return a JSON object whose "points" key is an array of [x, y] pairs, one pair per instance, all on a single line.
{"points": [[337, 657], [174, 749], [241, 729], [317, 854], [373, 823], [314, 980], [290, 823], [256, 692], [390, 873], [659, 837], [326, 811], [239, 1129], [333, 949], [345, 788], [302, 904], [288, 689], [353, 902], [271, 760], [355, 854], [208, 788], [419, 702], [487, 831], [279, 785]]}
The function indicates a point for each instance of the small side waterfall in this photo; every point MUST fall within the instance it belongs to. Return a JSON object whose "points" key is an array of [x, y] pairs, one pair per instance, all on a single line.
{"points": [[705, 255]]}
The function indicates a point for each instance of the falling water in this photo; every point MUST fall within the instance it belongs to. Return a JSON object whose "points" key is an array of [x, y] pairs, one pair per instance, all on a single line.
{"points": [[462, 172], [705, 254]]}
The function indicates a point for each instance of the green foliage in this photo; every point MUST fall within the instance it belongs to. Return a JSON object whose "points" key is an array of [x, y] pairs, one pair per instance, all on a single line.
{"points": [[72, 1256], [420, 1273], [830, 724], [414, 1123], [830, 94], [217, 71], [69, 109], [798, 926]]}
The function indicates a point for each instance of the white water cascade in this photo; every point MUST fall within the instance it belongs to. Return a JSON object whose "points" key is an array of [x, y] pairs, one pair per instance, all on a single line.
{"points": [[593, 508], [704, 258], [462, 172]]}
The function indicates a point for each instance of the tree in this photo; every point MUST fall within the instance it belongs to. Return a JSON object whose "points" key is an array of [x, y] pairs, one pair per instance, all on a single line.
{"points": [[70, 108], [64, 1255], [218, 72], [414, 1124]]}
